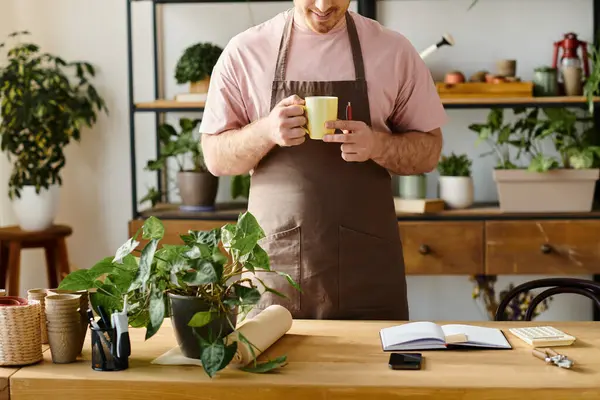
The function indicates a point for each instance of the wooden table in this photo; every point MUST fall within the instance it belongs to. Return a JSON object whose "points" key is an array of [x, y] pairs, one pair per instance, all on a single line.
{"points": [[329, 360], [5, 374]]}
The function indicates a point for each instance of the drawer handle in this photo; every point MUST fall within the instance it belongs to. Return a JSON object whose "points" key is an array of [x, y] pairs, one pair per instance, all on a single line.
{"points": [[546, 249], [424, 249]]}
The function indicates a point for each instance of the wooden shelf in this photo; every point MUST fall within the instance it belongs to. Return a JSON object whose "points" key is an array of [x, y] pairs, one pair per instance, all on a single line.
{"points": [[478, 212], [509, 102], [169, 105], [450, 103]]}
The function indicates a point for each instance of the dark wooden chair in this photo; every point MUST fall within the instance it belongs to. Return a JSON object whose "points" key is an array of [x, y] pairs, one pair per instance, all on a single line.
{"points": [[555, 286], [52, 240]]}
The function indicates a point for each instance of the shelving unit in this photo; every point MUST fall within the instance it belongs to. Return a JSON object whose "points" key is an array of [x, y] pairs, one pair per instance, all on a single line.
{"points": [[479, 224]]}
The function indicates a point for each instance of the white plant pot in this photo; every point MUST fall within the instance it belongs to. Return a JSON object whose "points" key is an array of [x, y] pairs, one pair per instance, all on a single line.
{"points": [[457, 191], [36, 212]]}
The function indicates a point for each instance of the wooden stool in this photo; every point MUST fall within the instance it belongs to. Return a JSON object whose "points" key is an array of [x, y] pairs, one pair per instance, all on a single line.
{"points": [[52, 240]]}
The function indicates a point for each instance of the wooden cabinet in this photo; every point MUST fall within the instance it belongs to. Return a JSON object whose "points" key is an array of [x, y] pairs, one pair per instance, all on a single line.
{"points": [[542, 247], [442, 248], [458, 247]]}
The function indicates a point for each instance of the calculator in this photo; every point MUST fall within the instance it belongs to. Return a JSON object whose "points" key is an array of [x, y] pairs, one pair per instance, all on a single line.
{"points": [[542, 336]]}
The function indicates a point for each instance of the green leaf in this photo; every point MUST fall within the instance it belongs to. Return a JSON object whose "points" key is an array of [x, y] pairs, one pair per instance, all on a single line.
{"points": [[581, 160], [212, 357], [165, 132], [206, 271], [108, 297], [248, 225], [247, 295], [266, 366], [259, 260], [504, 135], [123, 274], [290, 280], [156, 311], [270, 289], [104, 266], [218, 256], [228, 234], [145, 264], [77, 280], [153, 229], [125, 249], [202, 318]]}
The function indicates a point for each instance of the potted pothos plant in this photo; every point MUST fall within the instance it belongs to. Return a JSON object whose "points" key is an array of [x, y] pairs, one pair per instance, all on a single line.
{"points": [[202, 284], [45, 104], [196, 64], [533, 180], [196, 185], [456, 183]]}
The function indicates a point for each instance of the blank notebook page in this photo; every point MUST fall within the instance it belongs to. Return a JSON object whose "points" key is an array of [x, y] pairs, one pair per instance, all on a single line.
{"points": [[478, 335]]}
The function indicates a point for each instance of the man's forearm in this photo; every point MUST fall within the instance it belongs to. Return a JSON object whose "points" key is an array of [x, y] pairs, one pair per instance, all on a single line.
{"points": [[409, 153], [236, 152]]}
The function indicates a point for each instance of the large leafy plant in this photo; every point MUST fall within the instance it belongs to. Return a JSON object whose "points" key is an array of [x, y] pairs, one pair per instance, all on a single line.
{"points": [[197, 62], [206, 264], [45, 103], [497, 134], [571, 136], [454, 165], [178, 146]]}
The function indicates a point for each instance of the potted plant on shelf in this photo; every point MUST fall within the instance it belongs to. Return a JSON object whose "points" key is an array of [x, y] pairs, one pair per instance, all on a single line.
{"points": [[43, 108], [196, 64], [197, 186], [204, 284], [544, 183], [456, 183]]}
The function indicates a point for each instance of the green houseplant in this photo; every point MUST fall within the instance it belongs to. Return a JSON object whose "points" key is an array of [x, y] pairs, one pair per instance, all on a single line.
{"points": [[196, 64], [456, 183], [534, 179], [212, 270], [46, 102], [197, 186], [240, 186]]}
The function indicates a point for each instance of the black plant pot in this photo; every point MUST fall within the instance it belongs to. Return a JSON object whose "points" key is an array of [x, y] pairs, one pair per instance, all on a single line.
{"points": [[183, 309]]}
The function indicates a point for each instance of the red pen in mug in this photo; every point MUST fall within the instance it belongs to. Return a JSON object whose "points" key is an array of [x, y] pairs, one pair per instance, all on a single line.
{"points": [[349, 111]]}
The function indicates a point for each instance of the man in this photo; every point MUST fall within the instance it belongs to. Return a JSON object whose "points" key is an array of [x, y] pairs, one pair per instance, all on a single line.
{"points": [[326, 206]]}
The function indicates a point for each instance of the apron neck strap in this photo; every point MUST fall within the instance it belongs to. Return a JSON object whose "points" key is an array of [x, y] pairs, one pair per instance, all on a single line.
{"points": [[284, 46]]}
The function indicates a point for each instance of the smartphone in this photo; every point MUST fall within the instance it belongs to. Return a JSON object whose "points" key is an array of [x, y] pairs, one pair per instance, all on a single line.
{"points": [[405, 361]]}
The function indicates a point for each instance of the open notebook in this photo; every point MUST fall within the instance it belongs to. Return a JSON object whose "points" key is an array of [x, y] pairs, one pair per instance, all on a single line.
{"points": [[429, 336]]}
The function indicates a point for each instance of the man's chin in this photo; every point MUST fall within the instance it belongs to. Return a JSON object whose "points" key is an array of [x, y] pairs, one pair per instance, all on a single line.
{"points": [[321, 26]]}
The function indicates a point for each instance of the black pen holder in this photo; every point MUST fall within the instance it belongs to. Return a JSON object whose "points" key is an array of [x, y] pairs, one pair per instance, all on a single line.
{"points": [[104, 351]]}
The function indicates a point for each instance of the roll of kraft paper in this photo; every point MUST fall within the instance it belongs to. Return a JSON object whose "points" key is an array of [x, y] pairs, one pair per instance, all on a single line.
{"points": [[262, 331]]}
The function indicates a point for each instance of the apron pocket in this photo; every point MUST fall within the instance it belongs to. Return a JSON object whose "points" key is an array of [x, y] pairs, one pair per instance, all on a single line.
{"points": [[370, 274], [283, 249]]}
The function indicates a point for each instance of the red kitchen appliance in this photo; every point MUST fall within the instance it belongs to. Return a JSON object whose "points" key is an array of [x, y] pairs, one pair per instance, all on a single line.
{"points": [[570, 46]]}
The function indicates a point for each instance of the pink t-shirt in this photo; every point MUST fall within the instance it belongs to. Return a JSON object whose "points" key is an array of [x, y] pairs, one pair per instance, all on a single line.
{"points": [[402, 94]]}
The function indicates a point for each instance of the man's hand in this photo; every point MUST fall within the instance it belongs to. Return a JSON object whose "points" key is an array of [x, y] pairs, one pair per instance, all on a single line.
{"points": [[284, 123], [359, 142]]}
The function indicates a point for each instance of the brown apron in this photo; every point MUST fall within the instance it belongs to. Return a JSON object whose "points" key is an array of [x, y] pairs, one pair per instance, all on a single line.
{"points": [[330, 224]]}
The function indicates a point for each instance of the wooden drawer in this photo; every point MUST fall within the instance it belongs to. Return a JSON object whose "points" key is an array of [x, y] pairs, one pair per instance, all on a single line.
{"points": [[174, 228], [543, 247], [442, 248]]}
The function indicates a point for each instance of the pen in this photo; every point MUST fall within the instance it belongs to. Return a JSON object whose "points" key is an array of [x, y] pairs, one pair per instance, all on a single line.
{"points": [[349, 111]]}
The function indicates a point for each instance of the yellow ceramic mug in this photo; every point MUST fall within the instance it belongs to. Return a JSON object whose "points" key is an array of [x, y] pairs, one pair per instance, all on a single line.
{"points": [[320, 109]]}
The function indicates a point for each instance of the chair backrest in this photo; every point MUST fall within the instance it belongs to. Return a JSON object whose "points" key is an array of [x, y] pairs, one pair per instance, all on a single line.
{"points": [[584, 287]]}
